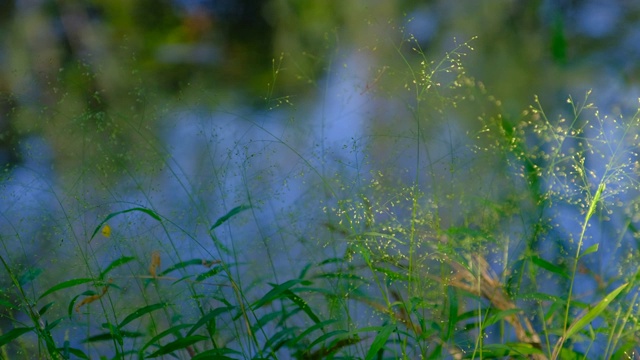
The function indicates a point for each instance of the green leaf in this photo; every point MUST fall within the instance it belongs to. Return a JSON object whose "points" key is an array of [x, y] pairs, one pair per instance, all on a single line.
{"points": [[302, 305], [211, 315], [233, 212], [6, 304], [216, 354], [499, 315], [114, 264], [452, 297], [174, 330], [184, 264], [13, 334], [311, 329], [29, 275], [379, 341], [590, 315], [44, 309], [265, 319], [140, 209], [50, 326], [64, 285], [111, 336], [550, 267], [140, 312], [178, 344], [276, 341], [76, 352], [591, 249], [275, 293], [209, 273], [328, 335]]}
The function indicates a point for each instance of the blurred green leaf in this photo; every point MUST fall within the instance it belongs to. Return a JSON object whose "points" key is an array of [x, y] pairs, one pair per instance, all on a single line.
{"points": [[140, 312], [590, 315], [216, 354], [44, 309], [192, 262], [209, 273], [550, 267], [116, 263], [379, 341], [64, 285], [149, 212], [591, 249], [275, 293], [302, 305], [29, 275], [173, 331], [178, 344], [210, 316], [233, 212], [13, 334]]}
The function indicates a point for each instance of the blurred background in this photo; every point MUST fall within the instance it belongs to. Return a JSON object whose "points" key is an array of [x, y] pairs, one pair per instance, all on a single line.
{"points": [[193, 107], [113, 61]]}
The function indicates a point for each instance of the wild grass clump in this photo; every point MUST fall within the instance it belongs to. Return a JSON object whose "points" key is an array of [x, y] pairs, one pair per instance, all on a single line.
{"points": [[428, 236]]}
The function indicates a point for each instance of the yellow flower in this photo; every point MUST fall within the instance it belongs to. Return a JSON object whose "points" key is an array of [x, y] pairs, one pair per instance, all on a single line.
{"points": [[106, 230]]}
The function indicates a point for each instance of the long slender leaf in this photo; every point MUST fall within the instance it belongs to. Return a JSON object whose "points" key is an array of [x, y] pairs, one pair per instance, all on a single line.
{"points": [[453, 312], [497, 316], [591, 249], [209, 273], [110, 216], [29, 275], [233, 212], [178, 344], [336, 333], [379, 341], [13, 334], [111, 336], [114, 264], [64, 285], [192, 262], [275, 293], [170, 331], [302, 305], [583, 321], [140, 312], [550, 267], [211, 315], [311, 329], [216, 354]]}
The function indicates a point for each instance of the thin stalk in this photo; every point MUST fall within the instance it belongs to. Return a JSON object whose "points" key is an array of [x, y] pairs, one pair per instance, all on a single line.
{"points": [[590, 212]]}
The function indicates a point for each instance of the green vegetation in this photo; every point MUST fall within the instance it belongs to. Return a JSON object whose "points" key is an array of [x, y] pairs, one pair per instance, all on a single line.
{"points": [[421, 237]]}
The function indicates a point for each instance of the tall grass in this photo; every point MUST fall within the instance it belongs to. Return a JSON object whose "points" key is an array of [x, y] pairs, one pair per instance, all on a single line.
{"points": [[427, 236]]}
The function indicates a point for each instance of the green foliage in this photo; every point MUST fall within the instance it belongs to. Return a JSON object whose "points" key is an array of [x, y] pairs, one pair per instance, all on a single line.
{"points": [[418, 252]]}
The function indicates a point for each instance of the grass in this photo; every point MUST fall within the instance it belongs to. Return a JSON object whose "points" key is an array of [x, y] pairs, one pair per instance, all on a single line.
{"points": [[433, 238]]}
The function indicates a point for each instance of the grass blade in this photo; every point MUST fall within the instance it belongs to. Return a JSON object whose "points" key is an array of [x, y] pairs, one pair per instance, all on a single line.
{"points": [[140, 312], [583, 321], [209, 317], [114, 264], [302, 305], [178, 344], [149, 212], [275, 293], [192, 262], [233, 212], [13, 334], [379, 341], [550, 267], [64, 285]]}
